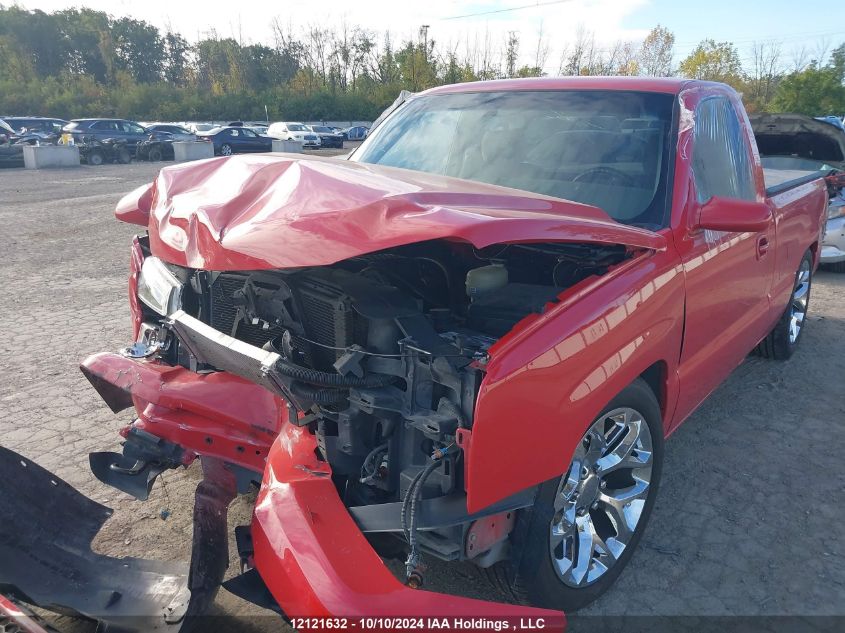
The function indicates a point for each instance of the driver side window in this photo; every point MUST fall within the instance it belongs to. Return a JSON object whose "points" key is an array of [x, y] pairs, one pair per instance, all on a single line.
{"points": [[720, 159]]}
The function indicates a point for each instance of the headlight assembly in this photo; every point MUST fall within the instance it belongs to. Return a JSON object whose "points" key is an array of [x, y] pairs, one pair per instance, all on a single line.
{"points": [[158, 288]]}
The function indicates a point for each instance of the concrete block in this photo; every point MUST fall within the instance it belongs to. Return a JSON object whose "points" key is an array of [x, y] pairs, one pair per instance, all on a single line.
{"points": [[289, 147], [192, 150], [41, 156]]}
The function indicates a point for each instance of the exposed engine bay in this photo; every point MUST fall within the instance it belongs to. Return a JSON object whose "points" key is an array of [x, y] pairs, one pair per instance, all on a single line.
{"points": [[382, 355]]}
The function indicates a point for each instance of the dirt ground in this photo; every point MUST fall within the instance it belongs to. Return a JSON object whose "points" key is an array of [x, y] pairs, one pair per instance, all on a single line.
{"points": [[749, 519]]}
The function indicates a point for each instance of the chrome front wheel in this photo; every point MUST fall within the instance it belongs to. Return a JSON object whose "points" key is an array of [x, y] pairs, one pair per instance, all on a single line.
{"points": [[584, 526], [600, 501]]}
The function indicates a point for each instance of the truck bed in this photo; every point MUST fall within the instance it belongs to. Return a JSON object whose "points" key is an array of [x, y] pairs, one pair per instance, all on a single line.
{"points": [[782, 173]]}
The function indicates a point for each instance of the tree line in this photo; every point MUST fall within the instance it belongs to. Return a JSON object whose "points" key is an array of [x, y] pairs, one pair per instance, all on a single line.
{"points": [[82, 62]]}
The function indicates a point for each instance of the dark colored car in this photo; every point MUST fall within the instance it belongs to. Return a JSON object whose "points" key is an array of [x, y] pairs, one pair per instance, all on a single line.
{"points": [[328, 137], [11, 155], [102, 129], [236, 140], [41, 124], [357, 133], [171, 131]]}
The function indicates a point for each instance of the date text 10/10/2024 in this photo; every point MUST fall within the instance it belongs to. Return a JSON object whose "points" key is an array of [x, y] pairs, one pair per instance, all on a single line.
{"points": [[430, 623]]}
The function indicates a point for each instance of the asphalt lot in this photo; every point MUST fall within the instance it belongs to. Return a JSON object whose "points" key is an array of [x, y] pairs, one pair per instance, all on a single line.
{"points": [[749, 516]]}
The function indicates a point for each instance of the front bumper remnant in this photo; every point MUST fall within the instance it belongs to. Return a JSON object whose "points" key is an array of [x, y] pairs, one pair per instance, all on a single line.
{"points": [[46, 557], [315, 560]]}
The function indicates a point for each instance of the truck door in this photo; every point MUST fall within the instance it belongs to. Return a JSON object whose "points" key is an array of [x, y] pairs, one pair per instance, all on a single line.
{"points": [[728, 276]]}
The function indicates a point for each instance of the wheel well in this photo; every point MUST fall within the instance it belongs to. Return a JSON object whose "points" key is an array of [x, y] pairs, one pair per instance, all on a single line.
{"points": [[814, 249], [655, 377]]}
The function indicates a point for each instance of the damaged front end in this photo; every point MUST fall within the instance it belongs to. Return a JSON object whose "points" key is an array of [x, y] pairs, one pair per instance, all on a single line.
{"points": [[345, 390]]}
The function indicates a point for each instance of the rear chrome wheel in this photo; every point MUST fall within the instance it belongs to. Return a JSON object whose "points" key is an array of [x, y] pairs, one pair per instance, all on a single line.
{"points": [[226, 149], [600, 500], [800, 299], [783, 340]]}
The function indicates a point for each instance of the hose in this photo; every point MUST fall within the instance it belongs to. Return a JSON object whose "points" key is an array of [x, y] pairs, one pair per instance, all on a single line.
{"points": [[333, 381], [320, 396]]}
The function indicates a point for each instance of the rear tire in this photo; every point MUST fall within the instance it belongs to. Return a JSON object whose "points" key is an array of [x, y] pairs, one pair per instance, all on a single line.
{"points": [[781, 342], [95, 158], [542, 575], [225, 149], [154, 155], [123, 156]]}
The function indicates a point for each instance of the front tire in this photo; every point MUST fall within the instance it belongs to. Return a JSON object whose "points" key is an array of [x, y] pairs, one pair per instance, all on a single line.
{"points": [[584, 526], [781, 342]]}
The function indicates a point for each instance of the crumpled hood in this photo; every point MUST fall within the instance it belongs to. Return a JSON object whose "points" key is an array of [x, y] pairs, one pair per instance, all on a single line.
{"points": [[282, 211]]}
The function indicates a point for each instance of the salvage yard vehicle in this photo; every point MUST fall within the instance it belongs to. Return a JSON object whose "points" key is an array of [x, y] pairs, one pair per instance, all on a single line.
{"points": [[794, 146], [129, 131], [440, 348], [174, 132], [328, 137], [292, 131], [235, 140]]}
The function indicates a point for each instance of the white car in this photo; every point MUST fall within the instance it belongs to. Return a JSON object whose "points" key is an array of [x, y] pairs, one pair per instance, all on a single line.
{"points": [[201, 127], [293, 131]]}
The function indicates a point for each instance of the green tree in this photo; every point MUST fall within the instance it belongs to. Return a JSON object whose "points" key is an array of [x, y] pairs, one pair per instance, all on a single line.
{"points": [[713, 61], [813, 91], [139, 49], [654, 58]]}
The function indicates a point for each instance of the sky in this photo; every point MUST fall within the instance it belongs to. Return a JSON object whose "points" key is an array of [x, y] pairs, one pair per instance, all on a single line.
{"points": [[457, 22]]}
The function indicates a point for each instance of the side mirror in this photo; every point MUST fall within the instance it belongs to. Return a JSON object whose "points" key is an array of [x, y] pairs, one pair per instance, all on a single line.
{"points": [[734, 216]]}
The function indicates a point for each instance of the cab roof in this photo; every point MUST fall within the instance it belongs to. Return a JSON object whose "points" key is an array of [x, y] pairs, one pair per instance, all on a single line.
{"points": [[667, 85]]}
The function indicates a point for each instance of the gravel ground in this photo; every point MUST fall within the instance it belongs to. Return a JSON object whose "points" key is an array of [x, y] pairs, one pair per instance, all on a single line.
{"points": [[748, 521]]}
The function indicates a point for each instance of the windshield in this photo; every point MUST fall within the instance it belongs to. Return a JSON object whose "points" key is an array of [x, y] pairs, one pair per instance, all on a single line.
{"points": [[296, 127], [605, 148]]}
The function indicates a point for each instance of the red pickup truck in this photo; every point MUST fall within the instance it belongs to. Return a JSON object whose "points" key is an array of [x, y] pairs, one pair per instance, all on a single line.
{"points": [[468, 341]]}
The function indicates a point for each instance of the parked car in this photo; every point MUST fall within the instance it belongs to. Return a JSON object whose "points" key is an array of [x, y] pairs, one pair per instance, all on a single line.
{"points": [[796, 144], [236, 140], [175, 132], [292, 131], [11, 153], [45, 125], [458, 343], [357, 133], [259, 129], [328, 137], [102, 129], [200, 127], [833, 120]]}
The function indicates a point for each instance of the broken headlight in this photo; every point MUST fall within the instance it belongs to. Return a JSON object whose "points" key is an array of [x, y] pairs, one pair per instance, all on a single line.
{"points": [[158, 288]]}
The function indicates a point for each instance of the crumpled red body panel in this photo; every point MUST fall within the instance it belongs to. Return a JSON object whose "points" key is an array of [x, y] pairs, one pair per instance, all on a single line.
{"points": [[316, 562], [266, 212]]}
